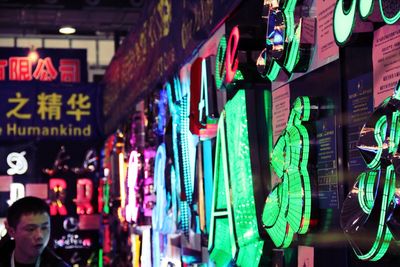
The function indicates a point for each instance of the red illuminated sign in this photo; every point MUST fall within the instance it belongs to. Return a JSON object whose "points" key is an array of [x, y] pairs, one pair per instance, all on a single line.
{"points": [[84, 193], [232, 63], [57, 196], [25, 69]]}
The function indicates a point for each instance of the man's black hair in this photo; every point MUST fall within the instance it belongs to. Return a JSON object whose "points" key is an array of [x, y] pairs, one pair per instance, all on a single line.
{"points": [[23, 206]]}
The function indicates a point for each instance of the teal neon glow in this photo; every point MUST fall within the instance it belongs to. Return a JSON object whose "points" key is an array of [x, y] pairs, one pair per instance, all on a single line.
{"points": [[208, 179], [160, 211], [343, 21], [233, 221], [220, 71], [389, 20], [180, 134], [365, 7], [184, 163], [288, 207]]}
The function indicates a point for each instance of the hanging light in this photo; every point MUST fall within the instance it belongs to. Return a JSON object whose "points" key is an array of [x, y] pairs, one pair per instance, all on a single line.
{"points": [[33, 55], [67, 30]]}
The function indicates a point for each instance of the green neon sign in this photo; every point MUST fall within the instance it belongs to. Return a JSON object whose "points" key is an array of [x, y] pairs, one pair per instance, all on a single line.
{"points": [[344, 18], [233, 228], [220, 71], [282, 50], [370, 207], [287, 209]]}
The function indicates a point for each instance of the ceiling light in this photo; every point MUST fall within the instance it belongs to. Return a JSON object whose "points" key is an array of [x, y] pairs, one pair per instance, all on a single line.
{"points": [[67, 30], [33, 56]]}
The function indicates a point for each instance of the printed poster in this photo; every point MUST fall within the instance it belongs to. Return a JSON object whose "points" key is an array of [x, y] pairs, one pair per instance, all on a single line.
{"points": [[385, 61], [305, 257], [327, 49], [359, 109], [328, 196], [280, 110]]}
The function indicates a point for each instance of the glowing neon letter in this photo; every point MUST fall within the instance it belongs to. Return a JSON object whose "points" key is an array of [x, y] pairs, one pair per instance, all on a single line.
{"points": [[132, 209], [220, 71], [288, 207], [17, 191], [344, 19], [202, 122], [84, 193], [231, 62], [370, 208], [57, 196], [233, 213]]}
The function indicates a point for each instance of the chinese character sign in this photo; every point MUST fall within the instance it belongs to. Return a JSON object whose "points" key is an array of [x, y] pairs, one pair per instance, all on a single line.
{"points": [[43, 65], [48, 110]]}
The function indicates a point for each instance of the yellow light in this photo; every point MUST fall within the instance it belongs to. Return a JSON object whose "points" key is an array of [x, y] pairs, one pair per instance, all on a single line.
{"points": [[33, 56], [67, 30]]}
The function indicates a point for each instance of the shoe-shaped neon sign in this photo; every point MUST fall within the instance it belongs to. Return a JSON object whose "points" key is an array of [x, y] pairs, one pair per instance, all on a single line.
{"points": [[344, 18], [283, 49], [370, 213], [288, 207]]}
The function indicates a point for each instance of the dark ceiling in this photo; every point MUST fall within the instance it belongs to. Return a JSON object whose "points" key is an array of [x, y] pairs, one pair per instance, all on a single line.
{"points": [[89, 17]]}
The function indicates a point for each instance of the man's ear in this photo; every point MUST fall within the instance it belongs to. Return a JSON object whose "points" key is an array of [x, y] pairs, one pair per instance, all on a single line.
{"points": [[10, 230]]}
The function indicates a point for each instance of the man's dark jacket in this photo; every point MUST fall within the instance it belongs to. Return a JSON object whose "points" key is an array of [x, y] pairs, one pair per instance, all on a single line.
{"points": [[47, 259]]}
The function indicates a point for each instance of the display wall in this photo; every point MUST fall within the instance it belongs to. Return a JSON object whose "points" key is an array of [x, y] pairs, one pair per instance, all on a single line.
{"points": [[289, 117]]}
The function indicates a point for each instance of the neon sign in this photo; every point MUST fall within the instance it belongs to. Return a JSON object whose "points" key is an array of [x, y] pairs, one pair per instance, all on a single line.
{"points": [[229, 72], [84, 193], [202, 103], [370, 211], [284, 47], [160, 209], [288, 207], [41, 69], [132, 208], [233, 214], [344, 19], [179, 107], [148, 183], [73, 241], [122, 179], [17, 163], [57, 196], [17, 191]]}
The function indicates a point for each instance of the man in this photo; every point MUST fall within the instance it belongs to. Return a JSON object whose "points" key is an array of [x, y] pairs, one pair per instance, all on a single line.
{"points": [[28, 225]]}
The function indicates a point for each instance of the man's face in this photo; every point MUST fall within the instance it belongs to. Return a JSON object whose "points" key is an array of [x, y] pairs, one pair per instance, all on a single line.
{"points": [[31, 234]]}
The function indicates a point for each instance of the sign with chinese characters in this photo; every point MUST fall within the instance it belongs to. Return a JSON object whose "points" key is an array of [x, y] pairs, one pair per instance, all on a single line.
{"points": [[48, 110], [43, 65], [172, 31]]}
